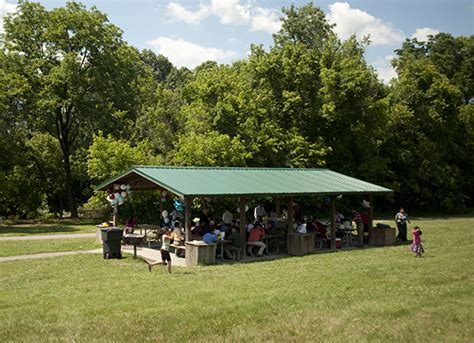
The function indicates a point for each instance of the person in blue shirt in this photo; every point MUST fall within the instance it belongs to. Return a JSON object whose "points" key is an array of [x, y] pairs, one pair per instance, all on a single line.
{"points": [[210, 237]]}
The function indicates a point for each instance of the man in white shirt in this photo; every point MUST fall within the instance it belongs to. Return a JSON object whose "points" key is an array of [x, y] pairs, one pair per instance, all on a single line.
{"points": [[227, 217], [259, 212]]}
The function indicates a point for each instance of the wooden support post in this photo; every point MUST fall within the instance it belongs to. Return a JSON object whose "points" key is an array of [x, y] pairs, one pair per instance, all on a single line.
{"points": [[289, 222], [277, 207], [333, 223], [187, 219], [243, 231], [371, 218], [290, 215], [115, 216]]}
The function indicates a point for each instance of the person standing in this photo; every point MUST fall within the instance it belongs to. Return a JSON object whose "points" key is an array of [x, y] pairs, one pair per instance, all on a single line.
{"points": [[227, 218], [165, 252], [357, 219], [259, 212], [401, 219], [416, 246]]}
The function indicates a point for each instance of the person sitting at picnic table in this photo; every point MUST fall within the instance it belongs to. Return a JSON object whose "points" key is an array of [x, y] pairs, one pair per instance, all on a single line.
{"points": [[210, 237], [301, 227], [165, 251], [255, 238], [130, 225], [270, 228], [233, 249], [177, 234]]}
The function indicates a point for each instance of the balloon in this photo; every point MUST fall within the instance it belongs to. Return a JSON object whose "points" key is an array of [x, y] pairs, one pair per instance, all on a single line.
{"points": [[167, 220], [127, 187], [116, 187], [124, 194], [110, 197], [178, 205], [164, 193], [114, 202], [121, 201], [123, 187], [164, 214], [246, 209], [163, 199]]}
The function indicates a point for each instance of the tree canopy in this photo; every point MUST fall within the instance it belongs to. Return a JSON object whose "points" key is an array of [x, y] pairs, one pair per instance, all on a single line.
{"points": [[78, 105]]}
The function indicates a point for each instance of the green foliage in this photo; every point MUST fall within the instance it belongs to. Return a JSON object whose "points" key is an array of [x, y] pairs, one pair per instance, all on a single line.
{"points": [[429, 126], [78, 106], [211, 149], [78, 74], [108, 157]]}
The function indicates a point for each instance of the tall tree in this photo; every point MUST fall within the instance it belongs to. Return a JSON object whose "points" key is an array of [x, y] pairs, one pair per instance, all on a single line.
{"points": [[429, 137], [79, 74]]}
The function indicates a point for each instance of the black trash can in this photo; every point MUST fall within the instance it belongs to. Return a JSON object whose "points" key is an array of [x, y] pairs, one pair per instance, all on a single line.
{"points": [[112, 242]]}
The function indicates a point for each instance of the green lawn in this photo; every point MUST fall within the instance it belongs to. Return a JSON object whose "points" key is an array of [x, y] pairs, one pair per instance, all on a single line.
{"points": [[12, 248], [25, 228], [375, 295]]}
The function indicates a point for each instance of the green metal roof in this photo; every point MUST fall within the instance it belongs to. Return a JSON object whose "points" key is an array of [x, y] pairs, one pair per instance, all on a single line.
{"points": [[207, 181]]}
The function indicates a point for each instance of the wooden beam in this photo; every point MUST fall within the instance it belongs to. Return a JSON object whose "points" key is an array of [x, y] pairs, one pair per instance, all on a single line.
{"points": [[187, 218], [291, 216], [243, 233], [371, 218], [333, 223], [115, 216]]}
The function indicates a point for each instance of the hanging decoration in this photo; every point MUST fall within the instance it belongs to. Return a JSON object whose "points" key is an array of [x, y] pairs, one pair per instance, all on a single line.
{"points": [[117, 193]]}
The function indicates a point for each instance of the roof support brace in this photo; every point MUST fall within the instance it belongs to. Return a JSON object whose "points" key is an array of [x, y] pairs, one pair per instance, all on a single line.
{"points": [[187, 218], [243, 233], [333, 223]]}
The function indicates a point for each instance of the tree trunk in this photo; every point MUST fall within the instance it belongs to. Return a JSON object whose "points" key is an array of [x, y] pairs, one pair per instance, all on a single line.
{"points": [[68, 186]]}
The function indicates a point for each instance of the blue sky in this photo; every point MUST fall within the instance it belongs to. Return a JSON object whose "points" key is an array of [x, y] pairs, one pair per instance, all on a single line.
{"points": [[190, 32]]}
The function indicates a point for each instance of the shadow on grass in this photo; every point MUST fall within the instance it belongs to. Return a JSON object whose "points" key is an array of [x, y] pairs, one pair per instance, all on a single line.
{"points": [[38, 229]]}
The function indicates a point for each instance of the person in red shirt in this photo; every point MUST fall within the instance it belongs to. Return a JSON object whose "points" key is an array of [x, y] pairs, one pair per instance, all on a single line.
{"points": [[255, 238]]}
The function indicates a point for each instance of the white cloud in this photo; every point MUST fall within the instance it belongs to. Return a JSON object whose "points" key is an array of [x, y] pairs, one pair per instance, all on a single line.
{"points": [[5, 8], [384, 69], [354, 21], [177, 11], [231, 11], [421, 34], [186, 54], [266, 20]]}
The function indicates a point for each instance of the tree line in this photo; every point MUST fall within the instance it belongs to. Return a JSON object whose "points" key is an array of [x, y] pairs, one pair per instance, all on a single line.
{"points": [[78, 105]]}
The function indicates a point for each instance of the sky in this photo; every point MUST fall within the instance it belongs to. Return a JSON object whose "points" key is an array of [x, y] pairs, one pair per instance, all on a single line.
{"points": [[189, 32]]}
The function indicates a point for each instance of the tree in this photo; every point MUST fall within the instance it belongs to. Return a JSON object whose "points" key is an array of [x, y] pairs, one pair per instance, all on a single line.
{"points": [[79, 75], [429, 126]]}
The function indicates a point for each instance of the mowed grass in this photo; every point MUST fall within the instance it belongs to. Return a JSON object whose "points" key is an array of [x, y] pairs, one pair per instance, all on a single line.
{"points": [[375, 295], [26, 228], [13, 248]]}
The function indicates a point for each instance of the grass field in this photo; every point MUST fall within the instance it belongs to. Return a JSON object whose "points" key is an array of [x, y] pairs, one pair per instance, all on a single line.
{"points": [[27, 228], [375, 295], [13, 248]]}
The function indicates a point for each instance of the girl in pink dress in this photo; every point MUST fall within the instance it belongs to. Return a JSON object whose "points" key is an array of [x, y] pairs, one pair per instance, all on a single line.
{"points": [[416, 246]]}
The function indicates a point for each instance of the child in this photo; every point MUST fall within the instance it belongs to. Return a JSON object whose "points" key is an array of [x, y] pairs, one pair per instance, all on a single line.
{"points": [[416, 246], [165, 251]]}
